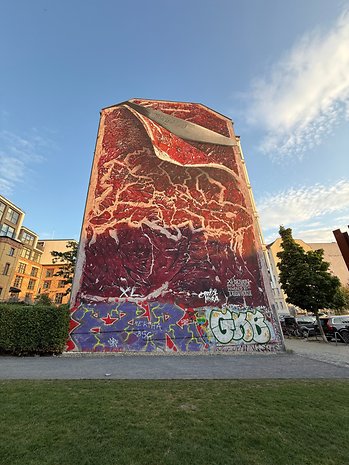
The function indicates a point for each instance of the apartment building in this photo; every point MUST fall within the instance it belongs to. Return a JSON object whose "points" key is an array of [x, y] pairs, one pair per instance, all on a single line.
{"points": [[50, 284], [332, 255], [27, 273], [11, 219], [26, 265]]}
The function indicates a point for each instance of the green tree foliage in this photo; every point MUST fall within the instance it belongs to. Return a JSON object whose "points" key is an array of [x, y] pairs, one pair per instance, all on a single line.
{"points": [[343, 295], [305, 278], [33, 329], [43, 299], [67, 260]]}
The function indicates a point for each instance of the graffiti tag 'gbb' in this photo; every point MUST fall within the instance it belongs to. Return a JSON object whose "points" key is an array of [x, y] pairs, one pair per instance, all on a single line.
{"points": [[249, 326]]}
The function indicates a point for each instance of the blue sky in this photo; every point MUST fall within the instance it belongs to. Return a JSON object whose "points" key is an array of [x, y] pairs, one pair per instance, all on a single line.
{"points": [[279, 69]]}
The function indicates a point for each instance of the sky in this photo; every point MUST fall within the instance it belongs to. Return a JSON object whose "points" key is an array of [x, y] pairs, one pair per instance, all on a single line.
{"points": [[278, 69]]}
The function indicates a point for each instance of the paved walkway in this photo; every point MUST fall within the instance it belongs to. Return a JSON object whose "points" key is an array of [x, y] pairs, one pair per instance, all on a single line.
{"points": [[318, 350], [310, 360]]}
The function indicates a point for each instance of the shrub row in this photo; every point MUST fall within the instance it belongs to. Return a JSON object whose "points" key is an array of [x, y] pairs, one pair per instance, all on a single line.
{"points": [[33, 329]]}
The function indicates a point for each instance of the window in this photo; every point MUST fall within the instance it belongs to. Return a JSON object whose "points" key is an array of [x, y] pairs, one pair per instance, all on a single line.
{"points": [[2, 208], [6, 269], [31, 284], [34, 271], [11, 252], [12, 216], [27, 238], [7, 231], [49, 273], [46, 285], [36, 257], [18, 281], [0, 291], [26, 253], [61, 283], [29, 297], [21, 267], [59, 298], [340, 320]]}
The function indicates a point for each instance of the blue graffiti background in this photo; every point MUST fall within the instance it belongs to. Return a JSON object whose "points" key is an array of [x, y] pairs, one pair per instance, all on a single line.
{"points": [[129, 326], [154, 326]]}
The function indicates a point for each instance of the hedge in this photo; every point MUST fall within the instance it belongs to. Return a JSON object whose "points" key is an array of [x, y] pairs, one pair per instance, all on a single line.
{"points": [[33, 329]]}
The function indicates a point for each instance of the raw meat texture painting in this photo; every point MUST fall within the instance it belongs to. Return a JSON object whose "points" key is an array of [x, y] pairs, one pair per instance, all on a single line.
{"points": [[170, 259]]}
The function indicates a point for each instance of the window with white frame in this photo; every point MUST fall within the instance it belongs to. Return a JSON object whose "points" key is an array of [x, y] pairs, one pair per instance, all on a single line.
{"points": [[36, 257], [27, 238], [34, 271], [7, 231], [31, 284], [21, 268], [18, 281], [12, 216], [2, 209], [59, 298], [6, 269], [26, 253]]}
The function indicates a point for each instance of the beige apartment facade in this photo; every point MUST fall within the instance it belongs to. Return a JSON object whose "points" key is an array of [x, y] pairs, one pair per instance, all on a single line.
{"points": [[11, 220], [332, 255], [50, 284], [26, 266]]}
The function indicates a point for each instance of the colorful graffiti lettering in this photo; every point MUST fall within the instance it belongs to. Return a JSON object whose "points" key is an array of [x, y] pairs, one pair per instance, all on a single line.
{"points": [[167, 326], [247, 326]]}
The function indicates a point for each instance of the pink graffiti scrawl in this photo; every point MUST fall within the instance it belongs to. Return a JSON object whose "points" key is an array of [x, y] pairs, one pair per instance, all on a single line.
{"points": [[169, 226]]}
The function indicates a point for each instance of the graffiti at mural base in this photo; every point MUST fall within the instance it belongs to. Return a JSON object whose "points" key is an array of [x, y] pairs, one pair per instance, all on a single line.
{"points": [[228, 325], [155, 326]]}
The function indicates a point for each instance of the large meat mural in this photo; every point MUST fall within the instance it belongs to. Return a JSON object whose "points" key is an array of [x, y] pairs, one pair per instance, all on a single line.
{"points": [[170, 258]]}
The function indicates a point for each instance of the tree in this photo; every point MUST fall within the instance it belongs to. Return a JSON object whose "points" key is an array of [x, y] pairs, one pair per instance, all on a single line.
{"points": [[43, 299], [343, 295], [305, 278], [68, 261]]}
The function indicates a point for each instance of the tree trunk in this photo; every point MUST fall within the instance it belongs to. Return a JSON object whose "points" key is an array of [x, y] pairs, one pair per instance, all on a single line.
{"points": [[321, 329]]}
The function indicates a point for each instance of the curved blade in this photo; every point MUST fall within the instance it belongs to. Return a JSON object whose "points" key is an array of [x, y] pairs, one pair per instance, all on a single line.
{"points": [[184, 129]]}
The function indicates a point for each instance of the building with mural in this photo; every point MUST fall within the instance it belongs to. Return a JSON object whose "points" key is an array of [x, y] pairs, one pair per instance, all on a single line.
{"points": [[170, 256], [25, 261]]}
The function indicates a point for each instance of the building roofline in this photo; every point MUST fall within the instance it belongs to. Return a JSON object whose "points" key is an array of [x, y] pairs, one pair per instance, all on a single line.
{"points": [[170, 101], [56, 240], [30, 230], [11, 204]]}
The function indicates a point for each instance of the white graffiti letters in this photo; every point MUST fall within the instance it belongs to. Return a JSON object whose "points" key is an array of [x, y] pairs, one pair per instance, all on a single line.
{"points": [[112, 342], [248, 326], [239, 287], [261, 331], [128, 292], [210, 296]]}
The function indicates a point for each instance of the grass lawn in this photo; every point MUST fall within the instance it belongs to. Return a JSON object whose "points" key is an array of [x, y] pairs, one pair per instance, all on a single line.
{"points": [[174, 422]]}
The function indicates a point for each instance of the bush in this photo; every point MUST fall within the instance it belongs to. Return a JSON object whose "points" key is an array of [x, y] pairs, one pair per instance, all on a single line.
{"points": [[33, 329]]}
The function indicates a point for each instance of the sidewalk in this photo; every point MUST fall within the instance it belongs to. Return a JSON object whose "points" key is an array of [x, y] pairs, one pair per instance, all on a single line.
{"points": [[319, 350], [300, 365]]}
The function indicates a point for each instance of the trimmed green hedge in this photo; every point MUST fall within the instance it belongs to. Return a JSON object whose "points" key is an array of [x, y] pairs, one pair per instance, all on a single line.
{"points": [[33, 329]]}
